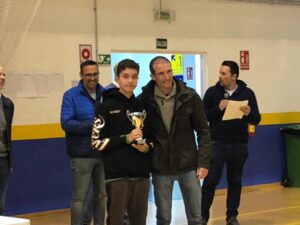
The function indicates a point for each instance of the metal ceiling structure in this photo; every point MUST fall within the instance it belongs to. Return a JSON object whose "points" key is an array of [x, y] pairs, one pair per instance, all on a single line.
{"points": [[280, 2]]}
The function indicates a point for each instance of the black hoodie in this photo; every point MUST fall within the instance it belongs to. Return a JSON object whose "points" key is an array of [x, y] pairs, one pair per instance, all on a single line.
{"points": [[121, 160]]}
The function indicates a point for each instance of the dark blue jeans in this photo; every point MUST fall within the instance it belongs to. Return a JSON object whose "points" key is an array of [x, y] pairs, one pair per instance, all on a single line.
{"points": [[234, 156], [4, 173]]}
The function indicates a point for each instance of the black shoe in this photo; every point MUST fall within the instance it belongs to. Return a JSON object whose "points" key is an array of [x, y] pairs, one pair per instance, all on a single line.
{"points": [[203, 221], [232, 221]]}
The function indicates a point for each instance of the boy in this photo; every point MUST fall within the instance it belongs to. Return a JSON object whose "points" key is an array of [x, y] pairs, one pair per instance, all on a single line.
{"points": [[126, 163]]}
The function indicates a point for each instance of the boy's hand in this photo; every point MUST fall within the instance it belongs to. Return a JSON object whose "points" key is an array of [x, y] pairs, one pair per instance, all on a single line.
{"points": [[134, 134], [143, 148]]}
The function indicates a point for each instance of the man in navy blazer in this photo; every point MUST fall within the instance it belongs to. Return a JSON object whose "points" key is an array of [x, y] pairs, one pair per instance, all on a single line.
{"points": [[6, 116]]}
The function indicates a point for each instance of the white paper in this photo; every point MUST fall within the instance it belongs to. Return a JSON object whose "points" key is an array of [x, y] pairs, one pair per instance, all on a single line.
{"points": [[233, 111], [4, 220]]}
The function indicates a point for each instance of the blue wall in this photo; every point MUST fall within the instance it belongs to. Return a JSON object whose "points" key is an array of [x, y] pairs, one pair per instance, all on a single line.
{"points": [[42, 176]]}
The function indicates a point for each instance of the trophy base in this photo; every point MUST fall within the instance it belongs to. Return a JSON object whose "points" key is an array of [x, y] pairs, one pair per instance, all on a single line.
{"points": [[140, 141]]}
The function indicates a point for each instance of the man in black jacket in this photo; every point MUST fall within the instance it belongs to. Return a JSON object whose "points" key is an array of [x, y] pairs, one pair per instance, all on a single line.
{"points": [[6, 116], [176, 112], [229, 138]]}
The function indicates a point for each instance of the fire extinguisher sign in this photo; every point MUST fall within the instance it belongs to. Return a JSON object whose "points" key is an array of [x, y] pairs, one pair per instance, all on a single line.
{"points": [[244, 60], [85, 52]]}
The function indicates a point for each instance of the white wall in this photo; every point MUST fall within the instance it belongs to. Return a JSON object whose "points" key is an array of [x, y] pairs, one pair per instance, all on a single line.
{"points": [[219, 28]]}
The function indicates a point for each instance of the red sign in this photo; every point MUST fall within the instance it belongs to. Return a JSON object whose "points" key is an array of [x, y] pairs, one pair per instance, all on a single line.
{"points": [[189, 73], [85, 52], [244, 60]]}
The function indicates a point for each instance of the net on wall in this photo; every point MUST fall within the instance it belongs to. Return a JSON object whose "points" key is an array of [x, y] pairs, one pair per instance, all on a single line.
{"points": [[15, 19]]}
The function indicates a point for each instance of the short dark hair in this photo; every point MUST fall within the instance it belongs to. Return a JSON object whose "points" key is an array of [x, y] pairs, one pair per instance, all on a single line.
{"points": [[127, 63], [234, 67], [87, 63], [156, 59]]}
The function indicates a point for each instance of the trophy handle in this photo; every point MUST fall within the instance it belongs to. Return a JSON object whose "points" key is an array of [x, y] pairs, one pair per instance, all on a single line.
{"points": [[145, 113], [128, 116]]}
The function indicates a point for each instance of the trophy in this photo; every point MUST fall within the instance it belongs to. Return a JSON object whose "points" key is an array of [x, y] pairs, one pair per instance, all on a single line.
{"points": [[137, 120]]}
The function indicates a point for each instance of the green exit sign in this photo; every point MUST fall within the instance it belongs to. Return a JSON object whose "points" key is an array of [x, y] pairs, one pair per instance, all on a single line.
{"points": [[104, 59], [161, 43]]}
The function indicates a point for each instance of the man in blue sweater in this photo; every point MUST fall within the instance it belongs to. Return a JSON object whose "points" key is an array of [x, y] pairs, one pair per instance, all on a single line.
{"points": [[229, 138], [77, 116]]}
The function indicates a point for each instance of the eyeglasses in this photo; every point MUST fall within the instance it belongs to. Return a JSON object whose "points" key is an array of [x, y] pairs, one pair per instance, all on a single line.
{"points": [[89, 75]]}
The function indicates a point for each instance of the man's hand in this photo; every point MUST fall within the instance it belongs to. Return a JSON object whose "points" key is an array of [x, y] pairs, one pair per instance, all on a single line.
{"points": [[223, 104], [201, 173], [143, 148], [246, 110]]}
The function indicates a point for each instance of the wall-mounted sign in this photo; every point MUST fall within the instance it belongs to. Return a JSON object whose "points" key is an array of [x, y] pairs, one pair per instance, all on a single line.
{"points": [[104, 59], [177, 64], [85, 52], [161, 43], [189, 73], [244, 60]]}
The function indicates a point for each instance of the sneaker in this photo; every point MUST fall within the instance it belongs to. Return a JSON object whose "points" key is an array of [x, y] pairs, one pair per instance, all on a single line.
{"points": [[232, 221]]}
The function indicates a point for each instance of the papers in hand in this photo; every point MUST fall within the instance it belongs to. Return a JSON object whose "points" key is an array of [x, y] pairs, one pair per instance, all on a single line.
{"points": [[233, 111]]}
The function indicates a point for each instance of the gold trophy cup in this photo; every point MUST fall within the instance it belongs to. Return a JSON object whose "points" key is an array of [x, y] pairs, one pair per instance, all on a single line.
{"points": [[137, 120]]}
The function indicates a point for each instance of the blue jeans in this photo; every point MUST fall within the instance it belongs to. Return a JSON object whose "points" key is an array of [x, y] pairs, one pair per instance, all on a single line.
{"points": [[4, 173], [234, 155], [84, 171], [191, 193]]}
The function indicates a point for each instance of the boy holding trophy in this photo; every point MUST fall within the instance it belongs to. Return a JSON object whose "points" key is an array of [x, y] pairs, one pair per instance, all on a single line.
{"points": [[118, 134]]}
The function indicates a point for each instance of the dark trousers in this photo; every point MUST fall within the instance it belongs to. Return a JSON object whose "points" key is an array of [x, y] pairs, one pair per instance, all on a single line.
{"points": [[234, 155], [130, 195], [4, 174]]}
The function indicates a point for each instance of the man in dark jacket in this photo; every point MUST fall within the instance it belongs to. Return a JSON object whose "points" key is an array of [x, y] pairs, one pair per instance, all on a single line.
{"points": [[176, 112], [77, 116], [6, 116], [229, 138]]}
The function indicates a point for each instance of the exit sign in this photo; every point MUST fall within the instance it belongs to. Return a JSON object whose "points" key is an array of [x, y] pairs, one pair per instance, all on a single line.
{"points": [[161, 43], [104, 59]]}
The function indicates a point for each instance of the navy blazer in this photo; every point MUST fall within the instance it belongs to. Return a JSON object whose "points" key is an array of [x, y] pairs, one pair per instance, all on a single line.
{"points": [[8, 108]]}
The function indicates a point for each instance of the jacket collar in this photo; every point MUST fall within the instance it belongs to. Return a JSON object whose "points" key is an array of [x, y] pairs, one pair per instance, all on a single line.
{"points": [[182, 92], [241, 85], [5, 101], [99, 89]]}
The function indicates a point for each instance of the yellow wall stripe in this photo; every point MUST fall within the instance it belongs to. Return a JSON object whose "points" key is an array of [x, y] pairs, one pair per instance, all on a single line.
{"points": [[47, 131], [280, 118], [42, 131]]}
